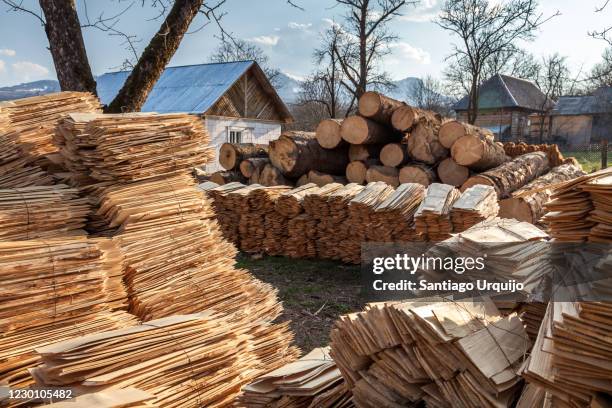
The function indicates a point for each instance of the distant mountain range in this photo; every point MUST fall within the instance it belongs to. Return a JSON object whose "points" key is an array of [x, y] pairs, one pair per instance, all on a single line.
{"points": [[287, 87]]}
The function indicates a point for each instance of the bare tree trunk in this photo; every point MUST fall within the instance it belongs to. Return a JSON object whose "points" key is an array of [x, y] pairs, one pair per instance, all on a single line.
{"points": [[67, 47], [155, 57]]}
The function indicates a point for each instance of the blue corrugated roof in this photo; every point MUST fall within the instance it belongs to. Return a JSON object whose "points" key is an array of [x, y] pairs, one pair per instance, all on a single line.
{"points": [[187, 89]]}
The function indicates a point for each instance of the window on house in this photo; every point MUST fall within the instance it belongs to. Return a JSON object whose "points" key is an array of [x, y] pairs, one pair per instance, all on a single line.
{"points": [[235, 136]]}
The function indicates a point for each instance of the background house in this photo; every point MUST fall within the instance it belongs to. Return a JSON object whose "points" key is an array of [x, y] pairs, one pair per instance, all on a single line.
{"points": [[582, 120], [235, 99], [504, 106]]}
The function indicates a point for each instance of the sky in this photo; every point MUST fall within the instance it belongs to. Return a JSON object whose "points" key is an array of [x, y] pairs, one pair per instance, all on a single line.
{"points": [[288, 35]]}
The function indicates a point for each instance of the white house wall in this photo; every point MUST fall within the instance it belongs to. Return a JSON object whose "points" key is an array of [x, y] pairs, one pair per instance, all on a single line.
{"points": [[259, 132]]}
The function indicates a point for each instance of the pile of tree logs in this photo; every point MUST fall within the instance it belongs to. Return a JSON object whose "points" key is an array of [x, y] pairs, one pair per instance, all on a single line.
{"points": [[404, 354]]}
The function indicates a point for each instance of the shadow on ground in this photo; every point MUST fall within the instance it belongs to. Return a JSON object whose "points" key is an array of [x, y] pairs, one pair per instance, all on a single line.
{"points": [[314, 293]]}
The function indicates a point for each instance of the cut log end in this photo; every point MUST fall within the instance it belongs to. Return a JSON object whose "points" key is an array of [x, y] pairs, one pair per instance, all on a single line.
{"points": [[322, 179], [389, 175], [449, 172], [370, 104], [450, 132], [476, 180], [393, 154], [516, 208], [416, 174], [404, 118], [328, 133], [468, 150], [227, 156], [356, 172]]}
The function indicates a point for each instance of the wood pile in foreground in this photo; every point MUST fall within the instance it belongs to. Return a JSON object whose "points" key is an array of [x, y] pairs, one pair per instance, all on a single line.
{"points": [[56, 290], [407, 353], [191, 360], [476, 204], [313, 381]]}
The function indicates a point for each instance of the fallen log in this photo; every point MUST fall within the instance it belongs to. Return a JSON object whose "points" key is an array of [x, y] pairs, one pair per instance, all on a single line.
{"points": [[378, 107], [232, 154], [356, 170], [527, 203], [393, 155], [224, 177], [451, 131], [452, 173], [478, 152], [271, 176], [296, 153], [328, 133], [417, 173], [511, 175], [252, 166], [423, 143], [321, 179], [364, 152], [360, 130], [406, 117], [389, 175]]}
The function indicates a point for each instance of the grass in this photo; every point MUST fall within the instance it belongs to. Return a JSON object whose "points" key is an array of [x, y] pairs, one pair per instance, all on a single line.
{"points": [[314, 293], [590, 161]]}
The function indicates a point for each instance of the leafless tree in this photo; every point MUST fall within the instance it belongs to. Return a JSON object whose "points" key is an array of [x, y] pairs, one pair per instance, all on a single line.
{"points": [[429, 94], [601, 74], [553, 78], [363, 40], [486, 30], [64, 32], [230, 50], [605, 33]]}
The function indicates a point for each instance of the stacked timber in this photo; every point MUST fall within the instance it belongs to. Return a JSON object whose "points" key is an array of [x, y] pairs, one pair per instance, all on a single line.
{"points": [[406, 117], [393, 219], [301, 237], [417, 173], [316, 206], [253, 222], [358, 152], [511, 175], [41, 212], [424, 145], [527, 203], [190, 360], [476, 204], [231, 155], [378, 107], [56, 290], [328, 133], [449, 172], [361, 208], [332, 229], [322, 179], [472, 146], [252, 168], [24, 176], [290, 203], [357, 170], [570, 214], [226, 215], [273, 176], [310, 382], [432, 219], [552, 151], [570, 358], [600, 191], [226, 177], [385, 174], [405, 354]]}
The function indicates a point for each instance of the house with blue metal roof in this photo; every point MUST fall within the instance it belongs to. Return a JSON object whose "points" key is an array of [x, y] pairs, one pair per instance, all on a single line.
{"points": [[235, 99]]}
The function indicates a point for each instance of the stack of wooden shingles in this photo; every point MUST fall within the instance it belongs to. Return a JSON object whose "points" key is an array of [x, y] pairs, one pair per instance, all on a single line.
{"points": [[261, 202], [599, 188], [360, 211], [476, 204], [393, 219], [26, 135], [178, 262], [572, 356], [56, 290], [331, 228], [402, 354], [227, 216], [316, 205], [432, 218], [311, 382]]}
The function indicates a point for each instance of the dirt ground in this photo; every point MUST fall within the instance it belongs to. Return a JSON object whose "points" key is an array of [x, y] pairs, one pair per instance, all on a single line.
{"points": [[314, 293]]}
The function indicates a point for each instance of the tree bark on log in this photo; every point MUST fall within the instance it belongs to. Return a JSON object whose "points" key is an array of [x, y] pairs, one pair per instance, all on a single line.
{"points": [[406, 117], [527, 203], [232, 154], [360, 130], [453, 130], [322, 179], [478, 153], [155, 57], [449, 172], [328, 133], [393, 155], [378, 107], [253, 165], [512, 175], [389, 175], [303, 180], [356, 170], [417, 173], [67, 47], [423, 143], [271, 176], [224, 177], [296, 153], [364, 152]]}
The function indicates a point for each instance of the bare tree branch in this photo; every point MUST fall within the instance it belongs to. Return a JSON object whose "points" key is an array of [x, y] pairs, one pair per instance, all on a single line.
{"points": [[18, 6]]}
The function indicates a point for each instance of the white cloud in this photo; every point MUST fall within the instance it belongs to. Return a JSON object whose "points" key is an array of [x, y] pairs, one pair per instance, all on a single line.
{"points": [[2, 66], [425, 11], [299, 26], [402, 51], [295, 77], [265, 39], [29, 71], [7, 52]]}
